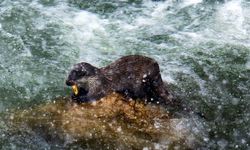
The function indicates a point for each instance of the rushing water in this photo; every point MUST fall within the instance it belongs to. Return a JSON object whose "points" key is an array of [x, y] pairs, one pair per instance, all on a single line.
{"points": [[202, 47]]}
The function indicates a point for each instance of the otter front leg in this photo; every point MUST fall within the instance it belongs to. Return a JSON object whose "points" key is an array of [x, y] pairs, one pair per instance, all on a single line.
{"points": [[165, 96], [160, 91], [80, 99]]}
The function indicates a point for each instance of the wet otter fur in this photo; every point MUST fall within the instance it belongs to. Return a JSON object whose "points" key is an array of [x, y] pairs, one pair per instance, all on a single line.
{"points": [[134, 76]]}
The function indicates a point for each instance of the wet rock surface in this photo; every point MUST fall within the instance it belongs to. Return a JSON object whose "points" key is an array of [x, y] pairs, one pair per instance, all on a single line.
{"points": [[110, 123]]}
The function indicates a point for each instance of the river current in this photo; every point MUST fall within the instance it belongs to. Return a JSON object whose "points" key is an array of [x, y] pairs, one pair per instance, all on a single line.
{"points": [[202, 47]]}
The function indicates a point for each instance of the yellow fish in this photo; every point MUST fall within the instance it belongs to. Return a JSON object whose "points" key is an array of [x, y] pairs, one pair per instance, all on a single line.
{"points": [[75, 89]]}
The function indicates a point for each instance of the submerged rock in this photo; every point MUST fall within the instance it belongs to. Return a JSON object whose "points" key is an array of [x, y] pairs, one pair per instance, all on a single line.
{"points": [[110, 123]]}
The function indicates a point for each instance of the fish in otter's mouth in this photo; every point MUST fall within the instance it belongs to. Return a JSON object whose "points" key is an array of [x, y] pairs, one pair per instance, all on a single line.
{"points": [[75, 89], [79, 80], [78, 90]]}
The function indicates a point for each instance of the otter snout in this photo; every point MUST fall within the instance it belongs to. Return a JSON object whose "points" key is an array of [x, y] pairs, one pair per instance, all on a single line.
{"points": [[70, 82]]}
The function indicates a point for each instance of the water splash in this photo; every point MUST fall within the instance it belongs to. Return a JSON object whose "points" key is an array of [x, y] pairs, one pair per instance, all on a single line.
{"points": [[191, 2], [248, 65], [231, 19], [202, 48]]}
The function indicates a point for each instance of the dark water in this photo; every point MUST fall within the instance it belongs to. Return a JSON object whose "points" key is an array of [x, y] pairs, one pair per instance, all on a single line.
{"points": [[202, 47]]}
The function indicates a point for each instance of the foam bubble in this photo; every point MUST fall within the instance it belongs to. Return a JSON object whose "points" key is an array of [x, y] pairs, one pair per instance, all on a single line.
{"points": [[222, 143], [160, 9], [86, 21], [191, 2], [235, 101], [248, 65]]}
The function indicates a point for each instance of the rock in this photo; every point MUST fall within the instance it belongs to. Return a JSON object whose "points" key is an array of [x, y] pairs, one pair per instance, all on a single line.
{"points": [[109, 123]]}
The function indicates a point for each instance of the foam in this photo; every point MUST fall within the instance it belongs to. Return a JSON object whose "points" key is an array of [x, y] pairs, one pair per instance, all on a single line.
{"points": [[191, 2], [231, 17], [248, 65], [83, 30], [2, 108]]}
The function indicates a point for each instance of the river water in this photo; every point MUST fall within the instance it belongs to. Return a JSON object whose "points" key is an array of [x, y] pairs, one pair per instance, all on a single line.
{"points": [[202, 47]]}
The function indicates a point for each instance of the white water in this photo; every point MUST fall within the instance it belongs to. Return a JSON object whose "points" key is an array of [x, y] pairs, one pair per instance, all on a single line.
{"points": [[189, 27]]}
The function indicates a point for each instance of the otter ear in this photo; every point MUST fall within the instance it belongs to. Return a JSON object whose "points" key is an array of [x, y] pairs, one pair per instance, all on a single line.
{"points": [[87, 69], [97, 71]]}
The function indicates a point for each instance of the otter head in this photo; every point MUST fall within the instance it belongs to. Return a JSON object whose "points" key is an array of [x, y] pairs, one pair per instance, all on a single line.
{"points": [[79, 78]]}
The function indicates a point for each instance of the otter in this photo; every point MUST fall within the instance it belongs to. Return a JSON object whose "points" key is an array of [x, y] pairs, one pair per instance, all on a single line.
{"points": [[134, 76]]}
